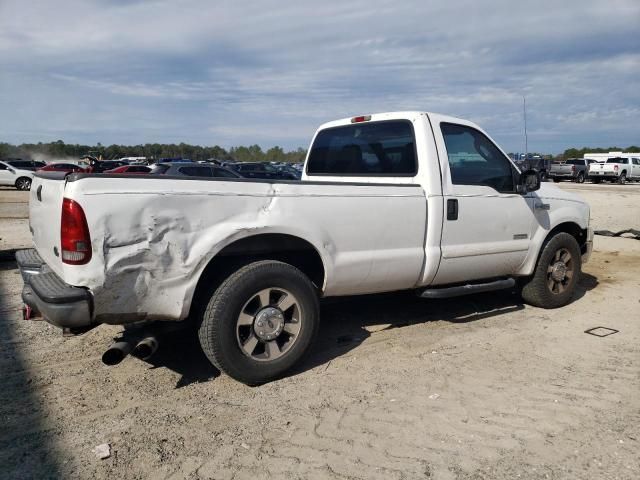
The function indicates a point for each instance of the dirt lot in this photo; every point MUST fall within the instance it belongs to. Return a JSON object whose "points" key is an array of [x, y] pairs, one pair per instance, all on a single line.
{"points": [[477, 388]]}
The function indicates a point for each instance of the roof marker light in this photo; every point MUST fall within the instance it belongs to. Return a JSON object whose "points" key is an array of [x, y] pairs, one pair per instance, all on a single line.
{"points": [[361, 118]]}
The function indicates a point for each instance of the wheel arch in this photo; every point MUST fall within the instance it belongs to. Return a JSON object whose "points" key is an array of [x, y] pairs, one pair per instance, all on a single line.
{"points": [[566, 226], [287, 248]]}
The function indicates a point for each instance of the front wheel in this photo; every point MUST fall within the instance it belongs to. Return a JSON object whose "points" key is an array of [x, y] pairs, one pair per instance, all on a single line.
{"points": [[23, 183], [260, 321], [556, 275]]}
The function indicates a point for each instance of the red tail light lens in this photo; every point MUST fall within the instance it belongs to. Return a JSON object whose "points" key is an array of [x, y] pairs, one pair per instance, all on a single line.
{"points": [[615, 167], [573, 168], [74, 234]]}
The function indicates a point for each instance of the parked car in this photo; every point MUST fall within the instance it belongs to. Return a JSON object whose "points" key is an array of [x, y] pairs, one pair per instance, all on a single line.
{"points": [[136, 169], [100, 166], [15, 177], [617, 169], [21, 164], [261, 170], [541, 165], [193, 170], [575, 169], [289, 171], [387, 202], [62, 167]]}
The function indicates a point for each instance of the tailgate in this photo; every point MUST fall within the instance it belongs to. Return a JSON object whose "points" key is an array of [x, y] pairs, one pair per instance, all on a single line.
{"points": [[600, 167], [563, 169], [45, 210]]}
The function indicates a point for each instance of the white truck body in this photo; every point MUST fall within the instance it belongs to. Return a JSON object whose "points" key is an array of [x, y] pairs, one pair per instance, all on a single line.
{"points": [[619, 169], [152, 237]]}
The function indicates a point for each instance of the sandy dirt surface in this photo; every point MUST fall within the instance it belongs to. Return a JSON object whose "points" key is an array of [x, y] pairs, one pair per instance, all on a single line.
{"points": [[397, 387]]}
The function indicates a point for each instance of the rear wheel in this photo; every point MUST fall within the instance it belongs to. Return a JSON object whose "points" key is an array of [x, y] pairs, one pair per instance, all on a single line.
{"points": [[580, 178], [260, 322], [23, 183], [622, 179], [556, 275]]}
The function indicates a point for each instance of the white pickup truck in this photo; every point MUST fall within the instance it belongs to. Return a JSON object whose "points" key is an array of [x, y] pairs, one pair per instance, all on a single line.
{"points": [[392, 201], [618, 169]]}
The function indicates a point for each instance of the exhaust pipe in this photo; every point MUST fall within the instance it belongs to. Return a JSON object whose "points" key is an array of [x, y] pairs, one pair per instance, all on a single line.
{"points": [[116, 353], [146, 347]]}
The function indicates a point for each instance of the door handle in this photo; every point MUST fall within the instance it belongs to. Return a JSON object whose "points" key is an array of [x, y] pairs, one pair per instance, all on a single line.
{"points": [[452, 209]]}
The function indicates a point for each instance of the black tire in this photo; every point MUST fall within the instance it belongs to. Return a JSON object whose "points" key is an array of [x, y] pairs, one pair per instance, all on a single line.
{"points": [[596, 180], [219, 325], [622, 179], [580, 178], [536, 290], [23, 183], [555, 180]]}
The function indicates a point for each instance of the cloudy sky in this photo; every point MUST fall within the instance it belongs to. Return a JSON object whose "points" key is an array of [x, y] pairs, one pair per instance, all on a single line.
{"points": [[269, 72]]}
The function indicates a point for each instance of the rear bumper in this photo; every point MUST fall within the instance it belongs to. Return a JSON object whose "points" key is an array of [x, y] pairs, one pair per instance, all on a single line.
{"points": [[602, 175], [60, 304]]}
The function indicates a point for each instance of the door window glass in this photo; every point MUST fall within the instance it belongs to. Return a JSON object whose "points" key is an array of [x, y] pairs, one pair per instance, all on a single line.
{"points": [[475, 160]]}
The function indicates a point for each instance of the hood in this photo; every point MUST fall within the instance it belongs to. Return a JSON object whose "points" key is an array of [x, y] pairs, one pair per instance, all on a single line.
{"points": [[550, 191]]}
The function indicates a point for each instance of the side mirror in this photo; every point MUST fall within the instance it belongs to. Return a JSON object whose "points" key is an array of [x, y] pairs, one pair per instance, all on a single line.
{"points": [[529, 181]]}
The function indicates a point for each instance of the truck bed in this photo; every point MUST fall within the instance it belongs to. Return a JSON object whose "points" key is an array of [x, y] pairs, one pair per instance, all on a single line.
{"points": [[152, 236]]}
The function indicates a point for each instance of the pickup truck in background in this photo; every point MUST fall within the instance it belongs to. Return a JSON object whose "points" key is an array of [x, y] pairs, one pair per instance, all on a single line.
{"points": [[392, 201], [616, 169], [575, 169]]}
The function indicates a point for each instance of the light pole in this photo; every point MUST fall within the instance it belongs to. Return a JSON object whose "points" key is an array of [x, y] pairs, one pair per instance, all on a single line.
{"points": [[524, 113]]}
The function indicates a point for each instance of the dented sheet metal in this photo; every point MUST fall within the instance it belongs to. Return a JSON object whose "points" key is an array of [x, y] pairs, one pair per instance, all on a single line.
{"points": [[153, 238]]}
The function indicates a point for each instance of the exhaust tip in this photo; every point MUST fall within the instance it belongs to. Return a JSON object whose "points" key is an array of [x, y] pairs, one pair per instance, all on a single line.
{"points": [[116, 353], [146, 348]]}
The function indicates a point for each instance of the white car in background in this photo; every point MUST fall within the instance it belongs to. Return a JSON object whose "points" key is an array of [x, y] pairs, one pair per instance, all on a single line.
{"points": [[15, 176]]}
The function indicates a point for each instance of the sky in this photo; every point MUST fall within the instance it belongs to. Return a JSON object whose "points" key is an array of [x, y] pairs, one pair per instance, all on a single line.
{"points": [[270, 72]]}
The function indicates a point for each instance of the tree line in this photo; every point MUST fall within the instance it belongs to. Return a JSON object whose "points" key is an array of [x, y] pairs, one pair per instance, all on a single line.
{"points": [[155, 151], [252, 153], [579, 152]]}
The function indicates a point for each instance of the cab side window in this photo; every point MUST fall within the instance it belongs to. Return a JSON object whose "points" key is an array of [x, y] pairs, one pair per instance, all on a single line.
{"points": [[475, 160]]}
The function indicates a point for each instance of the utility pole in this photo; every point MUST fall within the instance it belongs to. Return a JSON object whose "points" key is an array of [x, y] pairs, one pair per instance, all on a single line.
{"points": [[524, 112]]}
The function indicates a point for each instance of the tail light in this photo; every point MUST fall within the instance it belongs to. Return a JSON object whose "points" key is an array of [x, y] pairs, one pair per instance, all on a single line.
{"points": [[74, 234], [615, 167], [573, 168]]}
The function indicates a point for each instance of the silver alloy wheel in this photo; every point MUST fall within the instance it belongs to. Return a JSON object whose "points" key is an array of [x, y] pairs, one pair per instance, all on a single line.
{"points": [[560, 271], [269, 324]]}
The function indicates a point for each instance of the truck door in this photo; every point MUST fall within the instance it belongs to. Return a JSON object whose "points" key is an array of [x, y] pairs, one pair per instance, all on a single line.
{"points": [[635, 167], [487, 225]]}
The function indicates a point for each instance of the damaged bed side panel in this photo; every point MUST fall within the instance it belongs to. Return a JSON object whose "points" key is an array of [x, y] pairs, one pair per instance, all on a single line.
{"points": [[152, 239]]}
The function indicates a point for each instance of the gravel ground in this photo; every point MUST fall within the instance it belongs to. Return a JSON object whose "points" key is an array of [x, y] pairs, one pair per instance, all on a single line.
{"points": [[397, 387]]}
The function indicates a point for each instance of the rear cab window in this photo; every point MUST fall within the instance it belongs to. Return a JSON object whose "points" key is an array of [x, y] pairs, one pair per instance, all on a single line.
{"points": [[379, 148]]}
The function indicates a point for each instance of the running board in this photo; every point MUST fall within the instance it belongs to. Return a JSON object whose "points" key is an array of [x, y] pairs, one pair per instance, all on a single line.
{"points": [[458, 291]]}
